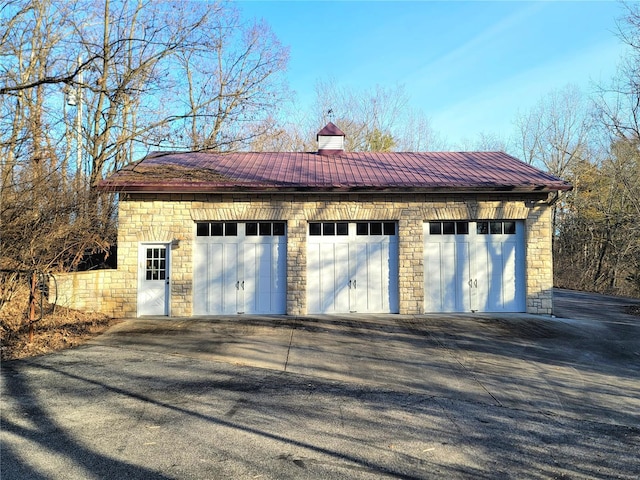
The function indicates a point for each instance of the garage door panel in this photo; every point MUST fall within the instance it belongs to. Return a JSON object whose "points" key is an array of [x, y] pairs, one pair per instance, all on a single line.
{"points": [[215, 276], [434, 277], [446, 277], [269, 274], [200, 275], [223, 291], [314, 281], [460, 277], [377, 278], [333, 273], [477, 270], [340, 278], [330, 280], [277, 274], [250, 281], [496, 273], [367, 286], [239, 273], [261, 270], [267, 294], [349, 272], [488, 279], [509, 286]]}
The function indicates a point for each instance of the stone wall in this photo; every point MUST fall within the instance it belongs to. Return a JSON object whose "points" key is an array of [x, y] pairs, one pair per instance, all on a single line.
{"points": [[170, 219], [94, 291], [539, 260]]}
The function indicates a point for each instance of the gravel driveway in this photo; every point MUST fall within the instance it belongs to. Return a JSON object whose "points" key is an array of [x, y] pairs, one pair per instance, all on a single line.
{"points": [[431, 396]]}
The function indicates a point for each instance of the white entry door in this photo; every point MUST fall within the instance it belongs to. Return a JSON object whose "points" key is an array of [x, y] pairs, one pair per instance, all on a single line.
{"points": [[239, 268], [352, 267], [153, 279], [474, 266]]}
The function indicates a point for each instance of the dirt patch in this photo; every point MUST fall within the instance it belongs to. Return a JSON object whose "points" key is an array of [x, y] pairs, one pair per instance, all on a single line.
{"points": [[59, 328]]}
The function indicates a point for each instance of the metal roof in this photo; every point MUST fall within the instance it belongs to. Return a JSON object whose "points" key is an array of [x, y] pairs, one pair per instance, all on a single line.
{"points": [[346, 171], [330, 130]]}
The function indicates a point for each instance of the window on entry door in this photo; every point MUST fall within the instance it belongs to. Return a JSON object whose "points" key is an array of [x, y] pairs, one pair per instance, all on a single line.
{"points": [[156, 266]]}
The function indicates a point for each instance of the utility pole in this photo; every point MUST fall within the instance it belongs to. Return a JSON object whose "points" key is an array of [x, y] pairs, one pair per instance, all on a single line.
{"points": [[79, 117], [74, 99]]}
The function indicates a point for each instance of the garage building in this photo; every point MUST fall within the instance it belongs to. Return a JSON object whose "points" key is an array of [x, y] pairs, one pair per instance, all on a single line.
{"points": [[332, 232]]}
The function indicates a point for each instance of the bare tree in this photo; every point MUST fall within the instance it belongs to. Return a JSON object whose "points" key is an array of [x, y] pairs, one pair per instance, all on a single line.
{"points": [[274, 135], [414, 133], [485, 142], [29, 50], [235, 83], [375, 119], [619, 101], [41, 225], [29, 30], [597, 246], [556, 132], [151, 74], [362, 115], [555, 135], [135, 44], [120, 65]]}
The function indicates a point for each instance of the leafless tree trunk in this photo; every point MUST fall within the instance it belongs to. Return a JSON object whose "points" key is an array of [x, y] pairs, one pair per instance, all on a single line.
{"points": [[234, 83], [128, 92]]}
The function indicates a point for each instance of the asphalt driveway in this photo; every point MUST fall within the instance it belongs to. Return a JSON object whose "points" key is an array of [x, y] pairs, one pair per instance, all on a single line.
{"points": [[431, 396]]}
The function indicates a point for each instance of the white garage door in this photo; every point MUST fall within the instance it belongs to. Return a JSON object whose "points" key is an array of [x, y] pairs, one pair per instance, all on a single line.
{"points": [[240, 268], [474, 266], [352, 267]]}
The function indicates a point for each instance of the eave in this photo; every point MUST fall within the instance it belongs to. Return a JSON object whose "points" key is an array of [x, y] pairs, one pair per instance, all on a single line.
{"points": [[219, 189]]}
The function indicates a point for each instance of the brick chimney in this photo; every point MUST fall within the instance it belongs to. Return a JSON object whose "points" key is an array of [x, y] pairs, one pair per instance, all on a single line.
{"points": [[330, 140]]}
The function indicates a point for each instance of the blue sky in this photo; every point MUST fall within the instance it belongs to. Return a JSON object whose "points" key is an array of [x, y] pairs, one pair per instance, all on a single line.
{"points": [[470, 66]]}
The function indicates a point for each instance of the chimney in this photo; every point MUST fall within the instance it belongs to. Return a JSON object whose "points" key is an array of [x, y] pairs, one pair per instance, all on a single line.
{"points": [[330, 140]]}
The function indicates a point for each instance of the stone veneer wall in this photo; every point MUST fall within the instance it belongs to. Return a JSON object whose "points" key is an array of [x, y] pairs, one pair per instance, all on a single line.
{"points": [[94, 291], [539, 260], [170, 218]]}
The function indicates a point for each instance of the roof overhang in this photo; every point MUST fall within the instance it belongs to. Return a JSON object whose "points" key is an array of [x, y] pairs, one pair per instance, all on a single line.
{"points": [[218, 189]]}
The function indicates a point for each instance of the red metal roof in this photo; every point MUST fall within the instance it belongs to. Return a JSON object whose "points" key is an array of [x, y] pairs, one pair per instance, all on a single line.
{"points": [[330, 130], [355, 171]]}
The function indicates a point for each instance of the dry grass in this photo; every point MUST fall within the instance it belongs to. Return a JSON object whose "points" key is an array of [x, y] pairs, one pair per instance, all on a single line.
{"points": [[59, 328]]}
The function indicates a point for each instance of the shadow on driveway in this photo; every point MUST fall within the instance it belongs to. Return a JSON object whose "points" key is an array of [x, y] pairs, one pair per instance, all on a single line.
{"points": [[429, 396]]}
